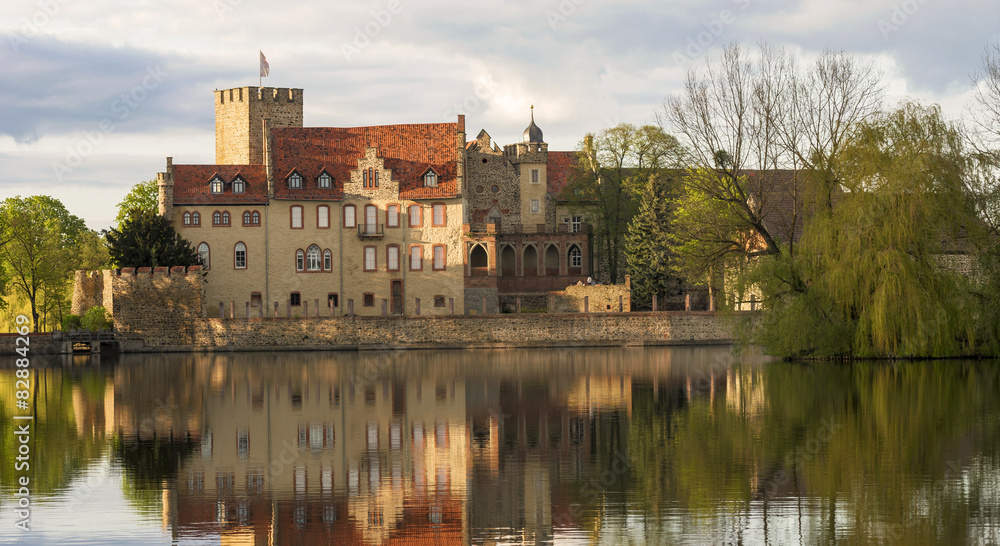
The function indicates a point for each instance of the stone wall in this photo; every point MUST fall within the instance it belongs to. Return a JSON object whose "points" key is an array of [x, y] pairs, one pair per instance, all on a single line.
{"points": [[601, 298], [88, 291], [474, 300], [525, 330]]}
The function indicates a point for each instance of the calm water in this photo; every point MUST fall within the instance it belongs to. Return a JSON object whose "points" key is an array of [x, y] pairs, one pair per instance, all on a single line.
{"points": [[606, 446]]}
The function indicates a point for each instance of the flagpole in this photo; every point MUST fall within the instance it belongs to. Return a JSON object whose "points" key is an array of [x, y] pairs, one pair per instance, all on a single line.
{"points": [[260, 76]]}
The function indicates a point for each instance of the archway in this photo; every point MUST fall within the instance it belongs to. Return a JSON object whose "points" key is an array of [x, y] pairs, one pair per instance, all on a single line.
{"points": [[552, 260], [508, 261], [530, 261], [479, 262]]}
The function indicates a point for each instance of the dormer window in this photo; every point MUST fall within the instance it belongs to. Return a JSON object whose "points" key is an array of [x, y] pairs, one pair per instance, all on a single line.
{"points": [[215, 186], [295, 181], [325, 181], [431, 179], [239, 186]]}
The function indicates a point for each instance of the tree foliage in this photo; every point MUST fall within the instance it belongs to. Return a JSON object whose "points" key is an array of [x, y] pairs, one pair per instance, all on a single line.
{"points": [[45, 244], [648, 242], [146, 239], [745, 117], [613, 169], [143, 197], [869, 279]]}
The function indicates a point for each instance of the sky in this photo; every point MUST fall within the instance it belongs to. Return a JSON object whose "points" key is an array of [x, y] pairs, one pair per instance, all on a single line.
{"points": [[95, 95]]}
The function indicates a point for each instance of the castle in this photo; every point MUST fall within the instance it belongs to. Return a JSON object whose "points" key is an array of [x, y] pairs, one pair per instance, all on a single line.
{"points": [[381, 220]]}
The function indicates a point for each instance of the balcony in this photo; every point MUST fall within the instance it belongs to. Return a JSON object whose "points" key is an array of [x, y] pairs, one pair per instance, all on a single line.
{"points": [[371, 231]]}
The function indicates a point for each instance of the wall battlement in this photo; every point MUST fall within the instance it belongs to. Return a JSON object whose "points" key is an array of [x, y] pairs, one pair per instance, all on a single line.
{"points": [[240, 114], [251, 94]]}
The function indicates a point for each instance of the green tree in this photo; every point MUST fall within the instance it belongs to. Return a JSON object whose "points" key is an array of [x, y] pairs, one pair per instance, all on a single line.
{"points": [[43, 250], [870, 277], [744, 118], [613, 168], [142, 197], [146, 239], [648, 248]]}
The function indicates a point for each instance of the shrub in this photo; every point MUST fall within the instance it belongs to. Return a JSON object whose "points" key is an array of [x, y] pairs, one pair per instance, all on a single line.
{"points": [[96, 319], [70, 322]]}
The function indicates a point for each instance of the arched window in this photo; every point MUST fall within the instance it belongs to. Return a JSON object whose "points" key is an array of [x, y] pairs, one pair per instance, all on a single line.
{"points": [[256, 218], [247, 219], [575, 256], [187, 218], [300, 260], [203, 255], [313, 258], [216, 218], [216, 185], [239, 186], [295, 181], [416, 258], [431, 179], [325, 181], [240, 256], [195, 218], [327, 260], [225, 218]]}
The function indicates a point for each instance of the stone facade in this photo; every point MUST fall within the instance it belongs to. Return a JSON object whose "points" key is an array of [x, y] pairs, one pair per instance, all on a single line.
{"points": [[239, 134], [369, 221]]}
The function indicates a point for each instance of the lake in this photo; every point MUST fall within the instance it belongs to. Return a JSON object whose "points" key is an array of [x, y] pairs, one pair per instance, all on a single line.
{"points": [[678, 445]]}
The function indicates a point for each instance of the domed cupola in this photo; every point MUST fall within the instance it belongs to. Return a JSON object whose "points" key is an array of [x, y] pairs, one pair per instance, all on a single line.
{"points": [[533, 135]]}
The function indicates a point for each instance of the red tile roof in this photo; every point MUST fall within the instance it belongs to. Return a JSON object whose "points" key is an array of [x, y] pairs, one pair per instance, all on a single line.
{"points": [[191, 184], [408, 150], [559, 170]]}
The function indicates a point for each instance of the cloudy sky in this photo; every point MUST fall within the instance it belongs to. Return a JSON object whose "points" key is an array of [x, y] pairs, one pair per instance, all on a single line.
{"points": [[96, 94]]}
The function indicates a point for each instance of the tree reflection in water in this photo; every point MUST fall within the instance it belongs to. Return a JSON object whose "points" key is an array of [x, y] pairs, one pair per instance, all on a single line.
{"points": [[654, 445]]}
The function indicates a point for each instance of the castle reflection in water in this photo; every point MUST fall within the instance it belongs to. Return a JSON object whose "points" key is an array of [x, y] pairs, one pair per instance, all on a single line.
{"points": [[392, 447]]}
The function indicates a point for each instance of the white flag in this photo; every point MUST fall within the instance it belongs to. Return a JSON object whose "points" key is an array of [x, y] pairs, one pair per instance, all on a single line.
{"points": [[264, 67]]}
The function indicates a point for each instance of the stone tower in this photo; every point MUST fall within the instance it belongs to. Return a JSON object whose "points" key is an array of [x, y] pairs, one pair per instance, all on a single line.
{"points": [[239, 116], [531, 157]]}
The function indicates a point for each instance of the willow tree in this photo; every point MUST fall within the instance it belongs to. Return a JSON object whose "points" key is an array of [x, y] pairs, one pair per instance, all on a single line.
{"points": [[875, 281]]}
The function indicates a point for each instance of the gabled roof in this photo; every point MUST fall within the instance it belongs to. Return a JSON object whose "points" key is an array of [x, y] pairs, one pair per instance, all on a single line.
{"points": [[191, 184], [408, 150]]}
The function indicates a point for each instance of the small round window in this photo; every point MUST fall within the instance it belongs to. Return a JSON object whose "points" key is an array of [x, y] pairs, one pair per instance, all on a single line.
{"points": [[495, 188], [480, 189]]}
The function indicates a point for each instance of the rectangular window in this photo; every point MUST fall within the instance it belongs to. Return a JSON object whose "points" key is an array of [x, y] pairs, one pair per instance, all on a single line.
{"points": [[243, 443], [296, 217], [416, 258], [438, 301], [369, 300], [534, 176], [296, 298], [371, 218], [323, 216], [576, 224], [415, 219], [535, 206], [332, 300], [370, 258], [349, 218], [439, 257], [392, 216], [392, 258], [439, 214]]}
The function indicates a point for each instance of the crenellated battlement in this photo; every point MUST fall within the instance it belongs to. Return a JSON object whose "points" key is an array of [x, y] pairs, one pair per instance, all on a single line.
{"points": [[527, 152], [153, 272], [259, 94]]}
